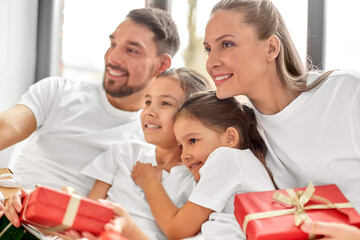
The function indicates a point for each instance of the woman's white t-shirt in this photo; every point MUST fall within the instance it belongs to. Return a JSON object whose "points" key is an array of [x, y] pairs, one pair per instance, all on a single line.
{"points": [[317, 136]]}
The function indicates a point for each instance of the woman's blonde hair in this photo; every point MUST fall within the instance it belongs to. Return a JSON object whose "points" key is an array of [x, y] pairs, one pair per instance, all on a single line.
{"points": [[267, 20]]}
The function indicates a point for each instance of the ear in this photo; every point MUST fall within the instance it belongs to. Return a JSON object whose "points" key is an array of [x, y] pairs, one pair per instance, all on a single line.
{"points": [[165, 63], [273, 47], [232, 137]]}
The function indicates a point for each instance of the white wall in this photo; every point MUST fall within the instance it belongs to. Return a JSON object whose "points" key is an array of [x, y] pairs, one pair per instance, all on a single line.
{"points": [[18, 31]]}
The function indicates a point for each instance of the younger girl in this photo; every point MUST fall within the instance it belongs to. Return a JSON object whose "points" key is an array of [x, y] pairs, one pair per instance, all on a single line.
{"points": [[226, 155], [112, 169]]}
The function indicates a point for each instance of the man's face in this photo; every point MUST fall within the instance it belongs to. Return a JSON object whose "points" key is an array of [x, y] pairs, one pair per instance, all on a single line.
{"points": [[131, 62]]}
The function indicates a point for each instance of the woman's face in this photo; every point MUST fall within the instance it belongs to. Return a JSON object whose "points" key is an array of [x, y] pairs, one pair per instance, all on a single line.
{"points": [[237, 59]]}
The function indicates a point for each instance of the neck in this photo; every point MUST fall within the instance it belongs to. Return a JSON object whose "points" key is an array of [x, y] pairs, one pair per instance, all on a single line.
{"points": [[273, 96], [131, 103], [167, 158]]}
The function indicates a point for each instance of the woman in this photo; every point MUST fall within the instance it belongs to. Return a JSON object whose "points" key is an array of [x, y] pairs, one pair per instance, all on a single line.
{"points": [[310, 122]]}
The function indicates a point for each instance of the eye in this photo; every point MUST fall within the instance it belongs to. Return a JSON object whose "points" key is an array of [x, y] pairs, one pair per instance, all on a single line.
{"points": [[113, 45], [207, 50], [227, 44], [166, 103], [131, 50], [147, 102], [180, 146], [193, 140]]}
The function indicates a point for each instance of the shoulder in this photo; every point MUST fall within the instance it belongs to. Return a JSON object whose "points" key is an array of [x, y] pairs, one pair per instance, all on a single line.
{"points": [[338, 77], [67, 83], [231, 154], [229, 160]]}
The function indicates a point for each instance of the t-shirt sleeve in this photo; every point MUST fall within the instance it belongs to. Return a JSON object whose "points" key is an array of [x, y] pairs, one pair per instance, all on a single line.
{"points": [[219, 180], [40, 97], [103, 167]]}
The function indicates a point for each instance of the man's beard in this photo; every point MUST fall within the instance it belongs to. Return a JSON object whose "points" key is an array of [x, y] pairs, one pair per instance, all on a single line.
{"points": [[123, 90]]}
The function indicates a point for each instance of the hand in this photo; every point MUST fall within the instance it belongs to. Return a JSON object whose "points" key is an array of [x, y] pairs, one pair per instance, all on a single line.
{"points": [[332, 231], [76, 235], [145, 173], [1, 209], [13, 207], [122, 222]]}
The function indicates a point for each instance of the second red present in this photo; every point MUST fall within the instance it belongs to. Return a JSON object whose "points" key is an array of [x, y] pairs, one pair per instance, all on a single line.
{"points": [[265, 218]]}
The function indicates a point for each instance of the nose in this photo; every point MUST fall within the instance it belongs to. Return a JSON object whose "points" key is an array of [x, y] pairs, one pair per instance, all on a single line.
{"points": [[213, 61], [150, 111], [185, 156], [114, 56]]}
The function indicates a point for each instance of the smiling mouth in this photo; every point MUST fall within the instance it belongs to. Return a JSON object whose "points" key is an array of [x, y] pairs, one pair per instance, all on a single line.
{"points": [[194, 165], [152, 126], [223, 77], [116, 73]]}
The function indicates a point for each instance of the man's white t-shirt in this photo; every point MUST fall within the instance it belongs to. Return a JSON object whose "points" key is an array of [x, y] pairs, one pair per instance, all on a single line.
{"points": [[226, 172], [75, 123], [114, 167], [317, 136]]}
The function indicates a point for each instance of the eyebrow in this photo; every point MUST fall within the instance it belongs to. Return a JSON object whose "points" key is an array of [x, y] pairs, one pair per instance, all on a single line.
{"points": [[221, 37], [164, 96], [133, 43], [189, 135]]}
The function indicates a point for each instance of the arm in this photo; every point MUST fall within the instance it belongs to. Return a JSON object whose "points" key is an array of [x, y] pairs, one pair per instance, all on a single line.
{"points": [[332, 230], [175, 223], [16, 124], [99, 190]]}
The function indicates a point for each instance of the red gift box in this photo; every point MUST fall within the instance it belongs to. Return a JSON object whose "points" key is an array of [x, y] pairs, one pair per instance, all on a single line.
{"points": [[55, 210], [262, 216]]}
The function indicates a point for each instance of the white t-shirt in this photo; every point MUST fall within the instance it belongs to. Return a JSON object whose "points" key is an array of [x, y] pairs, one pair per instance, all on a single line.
{"points": [[75, 123], [226, 172], [317, 136], [114, 167]]}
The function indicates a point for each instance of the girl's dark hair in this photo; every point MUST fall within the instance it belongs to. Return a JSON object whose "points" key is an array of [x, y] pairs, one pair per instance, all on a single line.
{"points": [[220, 114], [190, 80]]}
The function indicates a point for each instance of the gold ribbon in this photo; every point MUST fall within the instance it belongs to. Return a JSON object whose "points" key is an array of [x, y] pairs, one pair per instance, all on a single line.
{"points": [[69, 216], [298, 200]]}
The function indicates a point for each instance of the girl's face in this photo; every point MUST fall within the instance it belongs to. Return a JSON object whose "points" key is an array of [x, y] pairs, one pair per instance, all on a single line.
{"points": [[237, 58], [162, 101], [197, 142]]}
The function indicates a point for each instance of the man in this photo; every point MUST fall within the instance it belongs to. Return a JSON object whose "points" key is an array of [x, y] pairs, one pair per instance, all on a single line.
{"points": [[71, 122]]}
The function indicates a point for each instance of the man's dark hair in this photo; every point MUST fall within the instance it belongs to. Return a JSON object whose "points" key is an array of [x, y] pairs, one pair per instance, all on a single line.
{"points": [[162, 25]]}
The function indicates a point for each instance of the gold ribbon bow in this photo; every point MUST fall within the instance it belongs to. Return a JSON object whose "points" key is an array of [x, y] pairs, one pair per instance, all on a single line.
{"points": [[298, 200]]}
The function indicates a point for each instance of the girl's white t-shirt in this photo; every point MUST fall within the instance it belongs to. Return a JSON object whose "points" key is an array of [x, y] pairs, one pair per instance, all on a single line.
{"points": [[226, 172], [114, 167]]}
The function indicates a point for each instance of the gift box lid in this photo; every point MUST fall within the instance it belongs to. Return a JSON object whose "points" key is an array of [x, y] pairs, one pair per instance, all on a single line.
{"points": [[47, 206]]}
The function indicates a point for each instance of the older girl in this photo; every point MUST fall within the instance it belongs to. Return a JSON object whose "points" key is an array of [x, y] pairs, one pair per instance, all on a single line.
{"points": [[112, 168], [310, 122]]}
